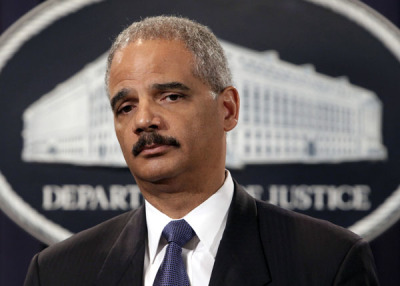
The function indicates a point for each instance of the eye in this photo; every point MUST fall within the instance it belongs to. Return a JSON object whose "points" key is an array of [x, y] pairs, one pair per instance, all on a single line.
{"points": [[172, 97], [125, 109]]}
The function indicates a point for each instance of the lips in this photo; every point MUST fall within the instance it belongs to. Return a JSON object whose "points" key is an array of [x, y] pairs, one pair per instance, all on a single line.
{"points": [[154, 149]]}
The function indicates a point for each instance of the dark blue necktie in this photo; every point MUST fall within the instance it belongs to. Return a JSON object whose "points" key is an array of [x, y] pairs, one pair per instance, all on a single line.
{"points": [[172, 271]]}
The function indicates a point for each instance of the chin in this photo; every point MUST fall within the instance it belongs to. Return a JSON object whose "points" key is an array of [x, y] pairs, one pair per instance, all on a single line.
{"points": [[154, 173]]}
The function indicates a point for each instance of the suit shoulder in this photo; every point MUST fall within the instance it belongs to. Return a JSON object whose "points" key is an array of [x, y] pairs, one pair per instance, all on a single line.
{"points": [[302, 244], [96, 240], [303, 229], [79, 259]]}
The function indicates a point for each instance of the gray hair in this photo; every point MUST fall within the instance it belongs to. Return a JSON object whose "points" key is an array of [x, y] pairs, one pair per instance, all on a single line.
{"points": [[210, 64]]}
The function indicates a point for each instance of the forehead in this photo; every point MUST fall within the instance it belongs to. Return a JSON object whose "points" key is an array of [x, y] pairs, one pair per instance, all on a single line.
{"points": [[143, 57]]}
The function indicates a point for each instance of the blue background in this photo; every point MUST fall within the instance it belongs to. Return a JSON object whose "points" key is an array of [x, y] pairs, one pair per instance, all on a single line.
{"points": [[17, 247]]}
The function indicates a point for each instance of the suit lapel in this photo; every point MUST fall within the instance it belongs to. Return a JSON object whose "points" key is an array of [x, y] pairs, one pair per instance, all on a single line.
{"points": [[240, 259], [124, 263]]}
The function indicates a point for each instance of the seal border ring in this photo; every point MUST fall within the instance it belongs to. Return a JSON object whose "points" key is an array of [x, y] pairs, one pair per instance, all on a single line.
{"points": [[32, 23]]}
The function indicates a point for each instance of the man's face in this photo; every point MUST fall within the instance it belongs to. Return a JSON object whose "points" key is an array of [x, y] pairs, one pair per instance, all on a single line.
{"points": [[153, 91]]}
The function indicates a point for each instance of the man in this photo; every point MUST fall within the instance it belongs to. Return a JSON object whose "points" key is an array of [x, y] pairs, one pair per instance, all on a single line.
{"points": [[173, 102]]}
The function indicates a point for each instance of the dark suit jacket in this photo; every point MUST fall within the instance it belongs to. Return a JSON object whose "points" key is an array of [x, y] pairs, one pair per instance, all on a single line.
{"points": [[262, 245]]}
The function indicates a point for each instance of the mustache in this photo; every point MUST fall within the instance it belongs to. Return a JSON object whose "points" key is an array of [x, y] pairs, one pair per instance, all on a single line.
{"points": [[153, 138]]}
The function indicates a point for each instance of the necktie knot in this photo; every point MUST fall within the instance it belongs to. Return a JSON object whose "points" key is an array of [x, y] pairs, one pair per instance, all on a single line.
{"points": [[178, 231], [172, 271]]}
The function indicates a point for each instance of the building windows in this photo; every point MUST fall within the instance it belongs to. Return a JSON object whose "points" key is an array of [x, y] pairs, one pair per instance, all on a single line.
{"points": [[288, 113]]}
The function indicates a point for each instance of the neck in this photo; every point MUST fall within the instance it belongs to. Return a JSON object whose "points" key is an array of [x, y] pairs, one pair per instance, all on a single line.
{"points": [[176, 197]]}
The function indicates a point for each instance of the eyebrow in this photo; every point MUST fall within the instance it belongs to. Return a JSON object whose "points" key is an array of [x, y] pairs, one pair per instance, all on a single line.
{"points": [[170, 85], [118, 96]]}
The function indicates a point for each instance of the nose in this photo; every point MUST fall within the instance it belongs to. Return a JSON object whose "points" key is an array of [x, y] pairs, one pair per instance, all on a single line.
{"points": [[146, 119]]}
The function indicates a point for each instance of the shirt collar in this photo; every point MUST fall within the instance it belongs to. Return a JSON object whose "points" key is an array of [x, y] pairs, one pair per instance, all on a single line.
{"points": [[214, 209]]}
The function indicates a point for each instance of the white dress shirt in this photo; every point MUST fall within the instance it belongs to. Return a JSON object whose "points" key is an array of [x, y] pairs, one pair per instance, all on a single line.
{"points": [[208, 220]]}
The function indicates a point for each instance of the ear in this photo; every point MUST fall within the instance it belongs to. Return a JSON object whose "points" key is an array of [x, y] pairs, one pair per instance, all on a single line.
{"points": [[231, 103]]}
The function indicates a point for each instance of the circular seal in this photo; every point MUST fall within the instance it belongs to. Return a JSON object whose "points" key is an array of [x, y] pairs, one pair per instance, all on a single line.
{"points": [[318, 126]]}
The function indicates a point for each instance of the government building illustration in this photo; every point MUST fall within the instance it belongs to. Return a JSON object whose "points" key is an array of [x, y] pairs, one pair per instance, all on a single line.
{"points": [[288, 114]]}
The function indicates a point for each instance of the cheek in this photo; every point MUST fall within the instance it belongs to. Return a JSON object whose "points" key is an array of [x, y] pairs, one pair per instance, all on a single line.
{"points": [[123, 138], [211, 120], [203, 126]]}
